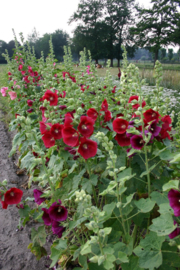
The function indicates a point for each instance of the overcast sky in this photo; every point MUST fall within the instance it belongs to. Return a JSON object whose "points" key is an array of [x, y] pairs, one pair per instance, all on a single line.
{"points": [[45, 16]]}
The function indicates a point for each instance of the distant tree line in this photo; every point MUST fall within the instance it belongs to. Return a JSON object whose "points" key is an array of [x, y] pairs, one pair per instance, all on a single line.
{"points": [[104, 25]]}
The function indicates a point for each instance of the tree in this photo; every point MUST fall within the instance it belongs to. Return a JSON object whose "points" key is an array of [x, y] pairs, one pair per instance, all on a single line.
{"points": [[59, 40], [162, 53], [170, 54], [156, 25], [33, 37], [90, 13], [3, 47]]}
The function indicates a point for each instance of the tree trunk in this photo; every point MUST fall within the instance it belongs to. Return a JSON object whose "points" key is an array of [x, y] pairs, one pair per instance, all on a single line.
{"points": [[118, 63], [112, 62], [156, 56]]}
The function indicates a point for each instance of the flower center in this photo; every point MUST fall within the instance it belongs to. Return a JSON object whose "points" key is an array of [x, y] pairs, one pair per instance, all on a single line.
{"points": [[12, 194], [123, 126], [85, 146], [59, 209], [141, 141], [84, 127], [154, 114], [51, 98], [56, 130], [152, 129], [75, 135]]}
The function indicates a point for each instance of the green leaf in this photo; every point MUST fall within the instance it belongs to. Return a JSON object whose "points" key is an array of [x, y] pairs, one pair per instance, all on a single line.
{"points": [[146, 172], [39, 236], [37, 250], [94, 266], [129, 199], [166, 155], [171, 184], [74, 224], [123, 257], [132, 265], [55, 255], [163, 225], [85, 249], [175, 159], [77, 179], [83, 262], [165, 208], [108, 263], [149, 251], [27, 160], [144, 205], [24, 212], [73, 167], [159, 198]]}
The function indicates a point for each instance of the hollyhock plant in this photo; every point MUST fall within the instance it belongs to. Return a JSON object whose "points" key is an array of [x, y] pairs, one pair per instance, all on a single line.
{"points": [[120, 125], [30, 102], [174, 201], [70, 136], [12, 94], [13, 196], [56, 131], [51, 97], [151, 115], [3, 91], [48, 139], [86, 126], [87, 148], [175, 233], [57, 212], [92, 113], [137, 142], [37, 196], [104, 105]]}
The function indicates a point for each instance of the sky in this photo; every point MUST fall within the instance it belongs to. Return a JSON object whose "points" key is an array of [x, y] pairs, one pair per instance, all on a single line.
{"points": [[45, 16]]}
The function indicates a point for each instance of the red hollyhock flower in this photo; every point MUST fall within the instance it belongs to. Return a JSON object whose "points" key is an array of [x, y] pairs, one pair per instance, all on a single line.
{"points": [[114, 90], [51, 97], [86, 126], [87, 148], [70, 136], [104, 106], [166, 122], [68, 118], [48, 139], [92, 113], [122, 139], [35, 73], [13, 196], [57, 212], [151, 115], [174, 201], [120, 125], [107, 116], [4, 205], [30, 102], [44, 127], [56, 131], [26, 79], [64, 74], [136, 106]]}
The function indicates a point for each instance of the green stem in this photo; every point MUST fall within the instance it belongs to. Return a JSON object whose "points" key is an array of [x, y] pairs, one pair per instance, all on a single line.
{"points": [[132, 216], [134, 233], [77, 236], [93, 188]]}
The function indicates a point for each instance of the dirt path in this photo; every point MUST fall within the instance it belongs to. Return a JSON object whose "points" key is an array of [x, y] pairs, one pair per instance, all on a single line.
{"points": [[14, 254]]}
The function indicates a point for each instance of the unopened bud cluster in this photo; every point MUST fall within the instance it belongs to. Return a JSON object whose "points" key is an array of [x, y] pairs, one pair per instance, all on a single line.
{"points": [[81, 196]]}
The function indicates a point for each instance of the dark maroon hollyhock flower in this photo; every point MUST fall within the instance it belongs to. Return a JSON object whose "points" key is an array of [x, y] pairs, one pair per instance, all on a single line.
{"points": [[42, 108], [58, 230], [57, 212], [71, 150], [136, 106], [128, 150], [51, 97], [92, 113], [37, 196], [120, 125], [87, 148], [166, 122], [70, 136], [151, 115], [174, 201], [122, 139], [13, 196], [107, 116], [93, 93], [175, 233], [137, 142], [154, 129], [30, 102], [44, 127], [46, 218], [82, 105], [62, 107], [104, 105], [30, 110], [48, 139], [56, 131], [86, 126]]}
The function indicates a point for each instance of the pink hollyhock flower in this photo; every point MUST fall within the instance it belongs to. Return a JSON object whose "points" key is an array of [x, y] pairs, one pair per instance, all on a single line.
{"points": [[13, 196], [9, 73], [51, 97], [26, 79], [12, 94], [48, 139], [56, 131], [30, 102], [87, 148], [174, 201], [20, 67], [104, 105], [70, 136], [154, 128], [92, 113], [3, 91], [57, 212], [120, 125], [18, 86], [175, 233], [122, 139], [36, 73], [30, 69], [37, 196], [46, 218], [151, 115], [86, 126], [136, 106], [137, 142], [58, 230], [23, 72]]}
